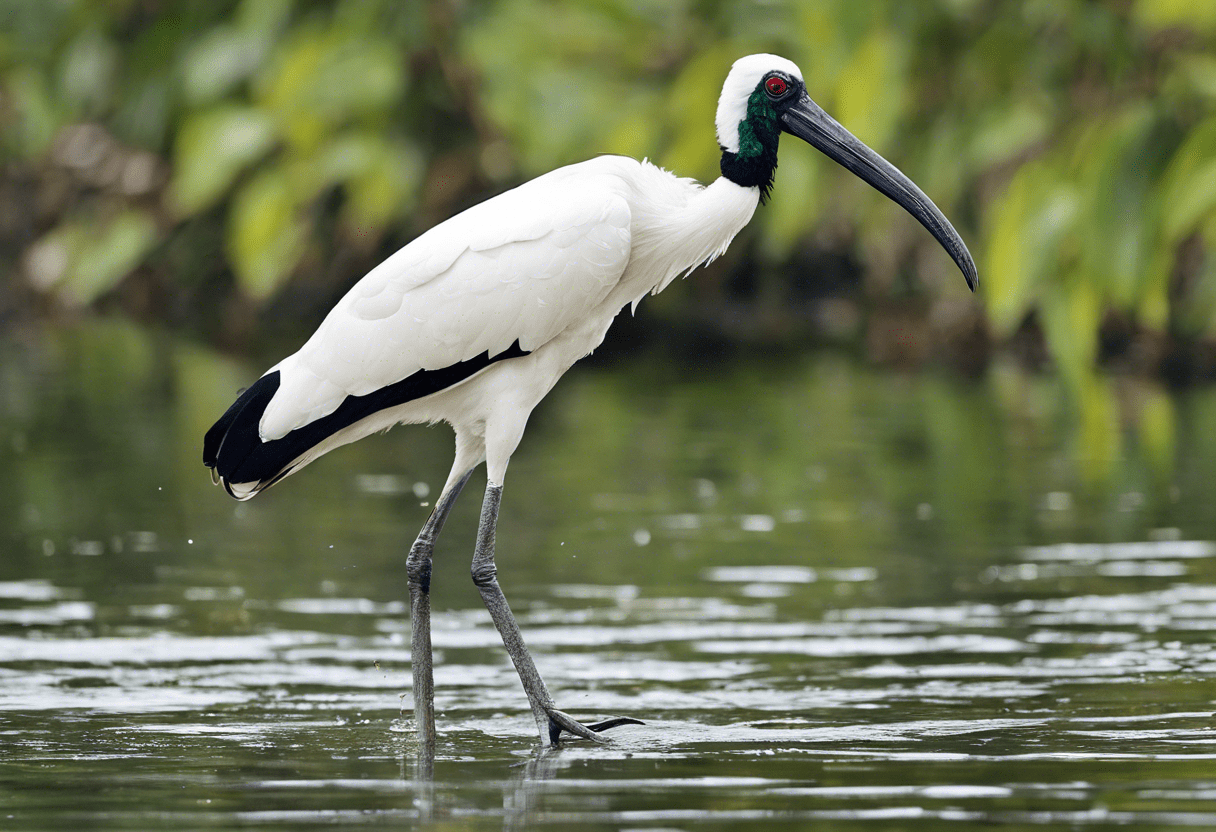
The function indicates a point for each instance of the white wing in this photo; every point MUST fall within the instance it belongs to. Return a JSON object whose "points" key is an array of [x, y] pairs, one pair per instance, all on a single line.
{"points": [[521, 266]]}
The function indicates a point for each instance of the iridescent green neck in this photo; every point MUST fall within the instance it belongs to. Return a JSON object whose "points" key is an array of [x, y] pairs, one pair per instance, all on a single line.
{"points": [[752, 165]]}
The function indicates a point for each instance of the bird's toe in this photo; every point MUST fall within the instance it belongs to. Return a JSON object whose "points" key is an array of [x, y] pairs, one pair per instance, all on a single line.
{"points": [[614, 722], [560, 721]]}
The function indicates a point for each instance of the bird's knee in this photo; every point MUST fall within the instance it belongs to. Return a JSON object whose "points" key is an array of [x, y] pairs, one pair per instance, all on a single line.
{"points": [[418, 568], [484, 574]]}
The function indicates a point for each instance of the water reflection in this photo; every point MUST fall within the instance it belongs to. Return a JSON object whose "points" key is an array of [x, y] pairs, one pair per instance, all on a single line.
{"points": [[858, 598]]}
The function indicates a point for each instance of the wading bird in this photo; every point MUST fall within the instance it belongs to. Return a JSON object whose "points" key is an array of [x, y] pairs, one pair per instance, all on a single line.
{"points": [[474, 321]]}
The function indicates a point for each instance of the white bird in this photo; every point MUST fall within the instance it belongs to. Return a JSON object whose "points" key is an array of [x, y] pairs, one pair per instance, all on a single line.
{"points": [[474, 321]]}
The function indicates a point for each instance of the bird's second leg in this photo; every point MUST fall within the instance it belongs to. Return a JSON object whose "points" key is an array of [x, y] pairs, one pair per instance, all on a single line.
{"points": [[550, 722], [418, 571]]}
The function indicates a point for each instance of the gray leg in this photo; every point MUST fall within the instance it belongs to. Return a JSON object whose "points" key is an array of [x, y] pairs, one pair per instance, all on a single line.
{"points": [[550, 722], [418, 570]]}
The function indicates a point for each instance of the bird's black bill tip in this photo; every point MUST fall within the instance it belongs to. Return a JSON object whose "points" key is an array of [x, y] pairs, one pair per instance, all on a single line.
{"points": [[972, 277], [808, 121], [967, 266]]}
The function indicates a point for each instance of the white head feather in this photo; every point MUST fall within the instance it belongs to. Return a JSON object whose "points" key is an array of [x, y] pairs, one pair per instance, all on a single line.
{"points": [[740, 83]]}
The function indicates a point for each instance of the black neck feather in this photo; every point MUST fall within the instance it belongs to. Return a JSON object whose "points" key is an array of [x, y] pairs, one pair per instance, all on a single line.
{"points": [[751, 171]]}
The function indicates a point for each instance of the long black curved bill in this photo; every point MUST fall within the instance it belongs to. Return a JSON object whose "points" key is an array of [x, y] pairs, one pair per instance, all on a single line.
{"points": [[807, 120]]}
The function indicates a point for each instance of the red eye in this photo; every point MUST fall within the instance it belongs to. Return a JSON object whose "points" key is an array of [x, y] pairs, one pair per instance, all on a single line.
{"points": [[775, 86]]}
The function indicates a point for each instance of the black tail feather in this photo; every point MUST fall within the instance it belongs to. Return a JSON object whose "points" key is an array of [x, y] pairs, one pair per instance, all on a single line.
{"points": [[232, 444], [215, 436], [235, 450]]}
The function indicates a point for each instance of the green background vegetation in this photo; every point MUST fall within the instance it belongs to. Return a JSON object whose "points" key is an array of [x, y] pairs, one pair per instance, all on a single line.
{"points": [[227, 167]]}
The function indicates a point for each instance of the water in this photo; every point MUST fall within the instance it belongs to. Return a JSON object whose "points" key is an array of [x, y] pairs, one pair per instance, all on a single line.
{"points": [[838, 597]]}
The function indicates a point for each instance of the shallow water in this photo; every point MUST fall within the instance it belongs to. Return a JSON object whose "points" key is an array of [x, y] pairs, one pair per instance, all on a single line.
{"points": [[836, 596]]}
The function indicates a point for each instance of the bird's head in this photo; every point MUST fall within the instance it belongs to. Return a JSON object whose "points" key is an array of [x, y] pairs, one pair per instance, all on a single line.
{"points": [[764, 96]]}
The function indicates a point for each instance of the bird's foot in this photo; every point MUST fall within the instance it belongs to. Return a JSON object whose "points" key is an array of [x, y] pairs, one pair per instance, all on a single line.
{"points": [[560, 721]]}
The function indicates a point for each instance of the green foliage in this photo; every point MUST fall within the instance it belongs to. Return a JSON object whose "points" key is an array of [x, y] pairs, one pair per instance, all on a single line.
{"points": [[263, 109], [1163, 14], [265, 235], [213, 147], [1071, 141], [1188, 189], [1024, 235], [85, 258], [1090, 177]]}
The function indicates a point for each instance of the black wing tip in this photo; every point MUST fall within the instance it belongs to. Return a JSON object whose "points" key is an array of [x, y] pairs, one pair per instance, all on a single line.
{"points": [[214, 438], [234, 450], [229, 443]]}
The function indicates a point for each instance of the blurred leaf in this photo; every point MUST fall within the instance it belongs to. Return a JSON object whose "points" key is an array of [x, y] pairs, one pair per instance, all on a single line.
{"points": [[1189, 14], [1008, 132], [381, 175], [1118, 171], [1071, 312], [229, 54], [48, 260], [268, 16], [1199, 73], [691, 103], [939, 166], [323, 77], [109, 254], [1188, 188], [212, 148], [83, 260], [636, 132], [592, 77], [38, 115], [266, 235], [1030, 221], [346, 156], [87, 75], [830, 34], [1153, 308], [1194, 199], [795, 204], [143, 116], [870, 91], [384, 188], [220, 60]]}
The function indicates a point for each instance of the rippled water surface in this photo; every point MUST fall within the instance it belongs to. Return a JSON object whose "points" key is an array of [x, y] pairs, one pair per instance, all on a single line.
{"points": [[837, 597]]}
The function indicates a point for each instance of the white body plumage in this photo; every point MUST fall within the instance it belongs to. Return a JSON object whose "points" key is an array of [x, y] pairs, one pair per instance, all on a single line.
{"points": [[548, 264]]}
